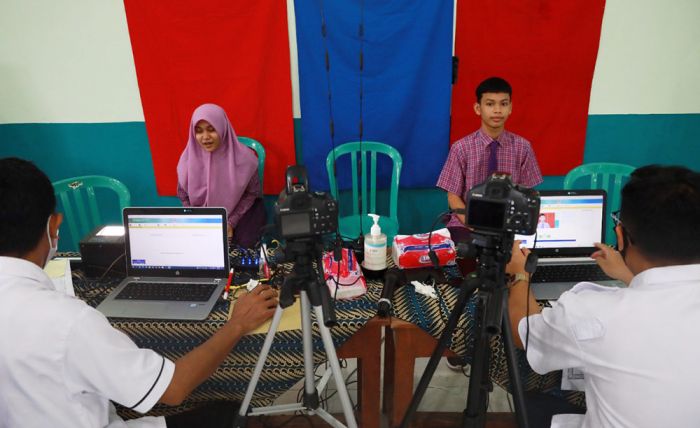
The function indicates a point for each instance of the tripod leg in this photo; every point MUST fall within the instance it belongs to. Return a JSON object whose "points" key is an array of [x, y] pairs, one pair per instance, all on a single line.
{"points": [[516, 384], [242, 411], [310, 391], [335, 369], [464, 294], [479, 382]]}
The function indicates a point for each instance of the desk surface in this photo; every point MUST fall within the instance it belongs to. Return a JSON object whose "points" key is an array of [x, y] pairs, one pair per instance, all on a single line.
{"points": [[283, 367]]}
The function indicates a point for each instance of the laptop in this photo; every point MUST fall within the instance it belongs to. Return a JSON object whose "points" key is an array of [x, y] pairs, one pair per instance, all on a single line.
{"points": [[176, 263], [570, 222]]}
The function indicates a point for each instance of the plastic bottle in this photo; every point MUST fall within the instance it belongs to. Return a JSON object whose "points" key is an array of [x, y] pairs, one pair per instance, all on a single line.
{"points": [[375, 247]]}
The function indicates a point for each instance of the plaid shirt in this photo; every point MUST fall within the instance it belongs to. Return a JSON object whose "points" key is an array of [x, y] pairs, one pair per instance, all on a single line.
{"points": [[467, 164]]}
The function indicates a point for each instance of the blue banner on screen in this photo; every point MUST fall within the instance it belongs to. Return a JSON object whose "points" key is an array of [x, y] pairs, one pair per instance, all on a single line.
{"points": [[406, 81]]}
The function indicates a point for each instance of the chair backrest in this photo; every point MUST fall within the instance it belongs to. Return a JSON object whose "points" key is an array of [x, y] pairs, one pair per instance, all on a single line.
{"points": [[79, 203], [260, 151], [368, 177], [601, 175]]}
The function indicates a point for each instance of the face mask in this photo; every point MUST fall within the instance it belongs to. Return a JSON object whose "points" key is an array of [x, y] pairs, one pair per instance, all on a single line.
{"points": [[52, 248]]}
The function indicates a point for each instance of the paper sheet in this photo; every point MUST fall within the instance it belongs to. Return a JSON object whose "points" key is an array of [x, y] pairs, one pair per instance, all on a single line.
{"points": [[291, 318], [59, 272]]}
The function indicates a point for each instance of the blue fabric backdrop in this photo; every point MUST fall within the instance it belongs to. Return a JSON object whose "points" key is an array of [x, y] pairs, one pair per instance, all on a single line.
{"points": [[407, 82]]}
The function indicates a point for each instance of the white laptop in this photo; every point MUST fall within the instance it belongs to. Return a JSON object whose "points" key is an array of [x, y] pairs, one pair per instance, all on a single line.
{"points": [[177, 264], [571, 221]]}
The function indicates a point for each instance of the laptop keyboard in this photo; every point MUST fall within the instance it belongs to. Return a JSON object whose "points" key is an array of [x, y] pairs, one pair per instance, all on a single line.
{"points": [[166, 291], [569, 273]]}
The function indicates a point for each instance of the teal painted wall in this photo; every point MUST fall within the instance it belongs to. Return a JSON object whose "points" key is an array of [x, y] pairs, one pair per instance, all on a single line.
{"points": [[121, 150]]}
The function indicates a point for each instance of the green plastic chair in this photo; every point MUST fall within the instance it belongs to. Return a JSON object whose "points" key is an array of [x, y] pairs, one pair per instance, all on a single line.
{"points": [[601, 175], [367, 183], [260, 152], [79, 203]]}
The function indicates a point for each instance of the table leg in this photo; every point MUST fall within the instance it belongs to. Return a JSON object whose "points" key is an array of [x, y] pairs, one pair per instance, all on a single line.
{"points": [[403, 344], [365, 345]]}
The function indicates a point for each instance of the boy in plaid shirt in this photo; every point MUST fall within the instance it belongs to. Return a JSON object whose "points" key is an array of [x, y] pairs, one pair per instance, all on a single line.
{"points": [[491, 148]]}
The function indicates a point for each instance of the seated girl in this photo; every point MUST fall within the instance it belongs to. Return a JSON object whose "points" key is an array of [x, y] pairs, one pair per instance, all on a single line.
{"points": [[215, 170]]}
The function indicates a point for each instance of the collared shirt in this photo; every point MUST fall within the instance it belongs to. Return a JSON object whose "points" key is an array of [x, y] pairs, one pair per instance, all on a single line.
{"points": [[637, 347], [61, 362], [468, 160]]}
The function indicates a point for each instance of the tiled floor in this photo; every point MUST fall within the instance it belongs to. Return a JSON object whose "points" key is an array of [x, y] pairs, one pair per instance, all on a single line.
{"points": [[447, 391]]}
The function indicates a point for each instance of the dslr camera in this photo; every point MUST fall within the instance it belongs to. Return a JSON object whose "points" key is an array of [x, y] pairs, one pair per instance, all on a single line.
{"points": [[300, 213], [498, 207]]}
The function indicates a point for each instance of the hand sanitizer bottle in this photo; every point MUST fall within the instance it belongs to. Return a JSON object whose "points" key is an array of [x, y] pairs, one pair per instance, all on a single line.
{"points": [[375, 247]]}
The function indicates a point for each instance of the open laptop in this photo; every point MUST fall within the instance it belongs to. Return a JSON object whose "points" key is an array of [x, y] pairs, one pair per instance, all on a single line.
{"points": [[570, 222], [176, 263]]}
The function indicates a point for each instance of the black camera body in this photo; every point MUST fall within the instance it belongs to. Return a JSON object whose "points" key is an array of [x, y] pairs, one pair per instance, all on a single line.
{"points": [[497, 207], [300, 213]]}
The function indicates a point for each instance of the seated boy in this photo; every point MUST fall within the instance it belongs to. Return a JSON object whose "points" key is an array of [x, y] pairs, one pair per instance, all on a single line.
{"points": [[491, 148]]}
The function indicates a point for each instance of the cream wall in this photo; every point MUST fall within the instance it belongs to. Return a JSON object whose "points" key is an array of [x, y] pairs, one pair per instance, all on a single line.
{"points": [[71, 62], [66, 61], [649, 58]]}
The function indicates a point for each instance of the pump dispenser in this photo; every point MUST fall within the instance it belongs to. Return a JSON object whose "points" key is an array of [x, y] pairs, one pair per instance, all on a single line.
{"points": [[375, 248]]}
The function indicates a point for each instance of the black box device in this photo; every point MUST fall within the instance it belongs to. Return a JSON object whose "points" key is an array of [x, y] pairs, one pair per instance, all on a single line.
{"points": [[100, 249]]}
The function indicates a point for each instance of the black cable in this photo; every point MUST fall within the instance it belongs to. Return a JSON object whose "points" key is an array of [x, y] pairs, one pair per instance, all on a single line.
{"points": [[527, 302], [527, 314], [432, 226], [324, 34], [431, 254], [534, 244], [361, 37], [121, 256]]}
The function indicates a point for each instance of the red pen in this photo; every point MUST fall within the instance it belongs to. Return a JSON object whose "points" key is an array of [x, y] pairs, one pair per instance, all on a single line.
{"points": [[228, 284]]}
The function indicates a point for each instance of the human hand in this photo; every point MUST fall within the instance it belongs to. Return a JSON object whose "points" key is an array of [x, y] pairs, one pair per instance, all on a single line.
{"points": [[229, 231], [610, 260], [255, 307], [517, 259]]}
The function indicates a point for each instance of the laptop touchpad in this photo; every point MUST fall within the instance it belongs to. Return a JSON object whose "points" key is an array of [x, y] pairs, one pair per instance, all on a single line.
{"points": [[154, 308]]}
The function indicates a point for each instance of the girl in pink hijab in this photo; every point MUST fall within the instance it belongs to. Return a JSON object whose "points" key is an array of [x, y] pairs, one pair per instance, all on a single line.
{"points": [[215, 170]]}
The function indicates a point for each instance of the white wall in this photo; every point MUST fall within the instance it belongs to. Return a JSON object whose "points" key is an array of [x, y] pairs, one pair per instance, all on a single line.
{"points": [[71, 61], [66, 61], [649, 58]]}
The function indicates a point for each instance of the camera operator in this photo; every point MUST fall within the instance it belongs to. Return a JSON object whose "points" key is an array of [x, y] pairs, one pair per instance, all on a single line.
{"points": [[636, 346]]}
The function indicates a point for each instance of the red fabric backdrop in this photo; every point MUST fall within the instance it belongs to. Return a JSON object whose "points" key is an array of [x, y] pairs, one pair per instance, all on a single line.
{"points": [[547, 51], [231, 53]]}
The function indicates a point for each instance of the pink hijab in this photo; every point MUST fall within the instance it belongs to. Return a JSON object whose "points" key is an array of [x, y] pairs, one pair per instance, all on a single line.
{"points": [[219, 178]]}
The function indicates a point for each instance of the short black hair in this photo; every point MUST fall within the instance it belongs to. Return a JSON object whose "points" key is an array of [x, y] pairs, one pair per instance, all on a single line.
{"points": [[660, 210], [494, 85], [26, 201]]}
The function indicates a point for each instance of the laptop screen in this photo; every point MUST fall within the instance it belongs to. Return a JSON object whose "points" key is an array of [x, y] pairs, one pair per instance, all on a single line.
{"points": [[185, 241], [569, 221]]}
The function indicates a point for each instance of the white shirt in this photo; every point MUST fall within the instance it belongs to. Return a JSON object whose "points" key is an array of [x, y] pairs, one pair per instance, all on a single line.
{"points": [[61, 362], [637, 346]]}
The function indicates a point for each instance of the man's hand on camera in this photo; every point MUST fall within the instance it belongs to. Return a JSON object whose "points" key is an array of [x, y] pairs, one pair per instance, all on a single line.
{"points": [[254, 308], [612, 263], [517, 259]]}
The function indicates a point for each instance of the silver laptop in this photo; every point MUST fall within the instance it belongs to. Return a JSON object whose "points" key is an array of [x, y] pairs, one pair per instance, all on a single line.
{"points": [[177, 264], [570, 222]]}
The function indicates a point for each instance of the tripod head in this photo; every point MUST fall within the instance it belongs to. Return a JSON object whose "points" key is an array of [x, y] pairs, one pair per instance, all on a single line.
{"points": [[303, 252], [490, 250]]}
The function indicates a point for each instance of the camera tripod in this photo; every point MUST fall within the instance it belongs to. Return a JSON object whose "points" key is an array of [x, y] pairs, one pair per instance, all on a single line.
{"points": [[314, 295], [494, 253]]}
